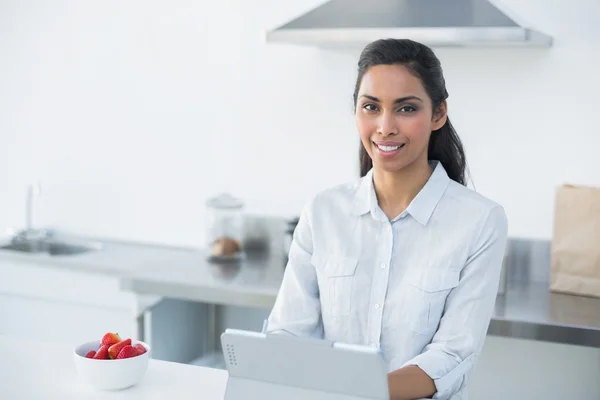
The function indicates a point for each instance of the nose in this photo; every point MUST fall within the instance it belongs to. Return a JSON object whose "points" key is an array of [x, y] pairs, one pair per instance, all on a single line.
{"points": [[387, 124]]}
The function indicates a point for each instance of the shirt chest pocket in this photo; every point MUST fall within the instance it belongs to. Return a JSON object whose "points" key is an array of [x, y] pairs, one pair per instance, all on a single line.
{"points": [[338, 283], [426, 298]]}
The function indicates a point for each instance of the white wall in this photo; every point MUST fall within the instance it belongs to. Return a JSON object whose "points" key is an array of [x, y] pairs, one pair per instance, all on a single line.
{"points": [[133, 113]]}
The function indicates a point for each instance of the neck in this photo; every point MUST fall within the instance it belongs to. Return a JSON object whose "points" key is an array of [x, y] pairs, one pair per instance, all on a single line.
{"points": [[396, 190]]}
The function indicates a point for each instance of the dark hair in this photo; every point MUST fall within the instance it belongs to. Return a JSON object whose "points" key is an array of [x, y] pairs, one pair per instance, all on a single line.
{"points": [[444, 145]]}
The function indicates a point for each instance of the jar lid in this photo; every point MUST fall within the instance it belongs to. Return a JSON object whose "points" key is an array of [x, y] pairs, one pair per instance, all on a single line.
{"points": [[224, 200]]}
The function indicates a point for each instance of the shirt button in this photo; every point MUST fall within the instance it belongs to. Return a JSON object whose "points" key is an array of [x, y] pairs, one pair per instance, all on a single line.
{"points": [[377, 306], [383, 265]]}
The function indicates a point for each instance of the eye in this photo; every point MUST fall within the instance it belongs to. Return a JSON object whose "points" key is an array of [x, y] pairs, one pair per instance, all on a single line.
{"points": [[407, 109], [369, 107]]}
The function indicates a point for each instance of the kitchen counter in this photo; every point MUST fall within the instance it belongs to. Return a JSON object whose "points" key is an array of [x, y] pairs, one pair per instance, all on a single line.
{"points": [[33, 370], [189, 276], [528, 310], [114, 258]]}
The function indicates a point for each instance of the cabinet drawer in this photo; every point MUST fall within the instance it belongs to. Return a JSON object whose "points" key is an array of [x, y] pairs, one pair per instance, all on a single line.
{"points": [[60, 322], [52, 283]]}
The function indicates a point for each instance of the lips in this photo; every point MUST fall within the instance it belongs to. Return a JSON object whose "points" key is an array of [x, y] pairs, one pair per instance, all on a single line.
{"points": [[388, 146], [388, 143], [388, 149]]}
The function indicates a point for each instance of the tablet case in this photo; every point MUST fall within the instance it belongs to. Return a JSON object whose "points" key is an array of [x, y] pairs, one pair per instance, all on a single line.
{"points": [[269, 366]]}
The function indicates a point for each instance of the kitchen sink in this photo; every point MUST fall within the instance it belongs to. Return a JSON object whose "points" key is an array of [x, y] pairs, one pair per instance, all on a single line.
{"points": [[51, 247], [44, 241]]}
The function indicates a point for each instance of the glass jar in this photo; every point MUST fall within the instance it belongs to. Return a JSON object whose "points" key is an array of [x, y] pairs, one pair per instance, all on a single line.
{"points": [[225, 227]]}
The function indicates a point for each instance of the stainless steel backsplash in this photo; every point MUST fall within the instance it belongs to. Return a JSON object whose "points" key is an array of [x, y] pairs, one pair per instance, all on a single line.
{"points": [[528, 260]]}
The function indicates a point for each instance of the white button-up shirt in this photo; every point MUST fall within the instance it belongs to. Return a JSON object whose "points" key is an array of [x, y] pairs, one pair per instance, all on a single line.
{"points": [[421, 287]]}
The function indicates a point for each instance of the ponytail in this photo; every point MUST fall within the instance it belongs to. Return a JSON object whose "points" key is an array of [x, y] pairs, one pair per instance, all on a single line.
{"points": [[445, 146]]}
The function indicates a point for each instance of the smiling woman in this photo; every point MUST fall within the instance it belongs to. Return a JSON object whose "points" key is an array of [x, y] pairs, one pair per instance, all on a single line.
{"points": [[405, 68], [401, 114], [407, 259]]}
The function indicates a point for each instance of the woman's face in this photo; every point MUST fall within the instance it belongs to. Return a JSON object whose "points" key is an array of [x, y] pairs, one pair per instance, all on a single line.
{"points": [[394, 117]]}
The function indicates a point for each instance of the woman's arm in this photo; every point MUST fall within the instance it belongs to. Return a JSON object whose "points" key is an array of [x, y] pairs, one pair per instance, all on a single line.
{"points": [[297, 309], [440, 369]]}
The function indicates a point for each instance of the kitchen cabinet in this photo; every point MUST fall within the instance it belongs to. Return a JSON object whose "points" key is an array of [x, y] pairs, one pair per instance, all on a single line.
{"points": [[61, 306], [59, 322]]}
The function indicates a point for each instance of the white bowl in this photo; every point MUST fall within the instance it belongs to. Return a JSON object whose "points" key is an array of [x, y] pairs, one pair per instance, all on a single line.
{"points": [[110, 374]]}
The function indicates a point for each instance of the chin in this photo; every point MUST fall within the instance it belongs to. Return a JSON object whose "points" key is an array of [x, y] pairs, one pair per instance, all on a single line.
{"points": [[397, 164], [390, 166]]}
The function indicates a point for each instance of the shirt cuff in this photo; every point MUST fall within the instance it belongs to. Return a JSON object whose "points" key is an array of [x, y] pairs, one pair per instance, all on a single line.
{"points": [[447, 373]]}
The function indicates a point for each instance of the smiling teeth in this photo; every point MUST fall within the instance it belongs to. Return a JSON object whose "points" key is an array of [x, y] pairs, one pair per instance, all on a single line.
{"points": [[388, 148]]}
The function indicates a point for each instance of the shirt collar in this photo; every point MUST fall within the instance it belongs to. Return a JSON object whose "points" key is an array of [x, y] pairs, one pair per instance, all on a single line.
{"points": [[363, 194], [422, 206]]}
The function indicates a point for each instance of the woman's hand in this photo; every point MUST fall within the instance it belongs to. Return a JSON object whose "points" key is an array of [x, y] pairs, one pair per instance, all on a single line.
{"points": [[410, 383]]}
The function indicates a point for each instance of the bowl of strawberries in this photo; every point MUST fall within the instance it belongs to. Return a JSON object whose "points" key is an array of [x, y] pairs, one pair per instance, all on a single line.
{"points": [[112, 363]]}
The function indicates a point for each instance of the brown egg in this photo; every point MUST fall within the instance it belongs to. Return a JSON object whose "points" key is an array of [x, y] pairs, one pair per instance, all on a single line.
{"points": [[225, 247]]}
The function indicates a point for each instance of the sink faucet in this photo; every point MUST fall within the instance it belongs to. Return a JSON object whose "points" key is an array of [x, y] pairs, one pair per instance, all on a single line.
{"points": [[33, 191], [29, 232]]}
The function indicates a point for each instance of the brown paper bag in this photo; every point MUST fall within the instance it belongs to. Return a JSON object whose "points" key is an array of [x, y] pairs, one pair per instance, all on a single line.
{"points": [[575, 250]]}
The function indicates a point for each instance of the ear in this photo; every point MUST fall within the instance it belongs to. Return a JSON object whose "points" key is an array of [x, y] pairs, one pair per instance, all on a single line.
{"points": [[440, 116]]}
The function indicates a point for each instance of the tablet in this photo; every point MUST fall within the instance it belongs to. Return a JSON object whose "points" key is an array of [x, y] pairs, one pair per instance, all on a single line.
{"points": [[269, 366]]}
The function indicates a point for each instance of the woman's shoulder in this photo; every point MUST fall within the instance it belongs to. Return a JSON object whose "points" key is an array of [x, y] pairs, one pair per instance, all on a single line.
{"points": [[466, 200], [334, 198]]}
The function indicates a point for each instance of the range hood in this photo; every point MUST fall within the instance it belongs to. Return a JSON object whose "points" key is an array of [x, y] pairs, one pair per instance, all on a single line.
{"points": [[436, 23]]}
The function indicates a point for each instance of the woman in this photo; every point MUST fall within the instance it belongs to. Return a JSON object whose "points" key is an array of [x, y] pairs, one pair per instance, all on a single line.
{"points": [[408, 258]]}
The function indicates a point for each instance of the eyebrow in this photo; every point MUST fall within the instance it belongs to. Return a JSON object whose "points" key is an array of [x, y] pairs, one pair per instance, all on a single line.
{"points": [[399, 100]]}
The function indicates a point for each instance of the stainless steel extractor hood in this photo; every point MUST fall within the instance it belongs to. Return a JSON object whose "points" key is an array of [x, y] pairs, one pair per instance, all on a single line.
{"points": [[437, 23]]}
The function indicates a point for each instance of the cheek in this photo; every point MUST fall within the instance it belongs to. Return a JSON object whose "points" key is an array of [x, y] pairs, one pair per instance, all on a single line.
{"points": [[416, 129], [366, 129]]}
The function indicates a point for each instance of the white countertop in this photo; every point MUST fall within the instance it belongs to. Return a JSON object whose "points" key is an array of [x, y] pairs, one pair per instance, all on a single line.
{"points": [[34, 370]]}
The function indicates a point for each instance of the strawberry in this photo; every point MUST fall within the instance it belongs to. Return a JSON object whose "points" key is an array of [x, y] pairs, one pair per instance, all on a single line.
{"points": [[102, 353], [90, 354], [115, 349], [110, 339], [140, 349], [127, 352]]}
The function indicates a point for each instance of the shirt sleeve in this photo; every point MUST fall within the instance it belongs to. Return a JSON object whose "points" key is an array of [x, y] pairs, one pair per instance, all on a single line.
{"points": [[297, 308], [456, 345]]}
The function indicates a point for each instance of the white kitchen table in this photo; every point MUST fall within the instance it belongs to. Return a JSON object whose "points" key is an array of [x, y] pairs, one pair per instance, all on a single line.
{"points": [[35, 370]]}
